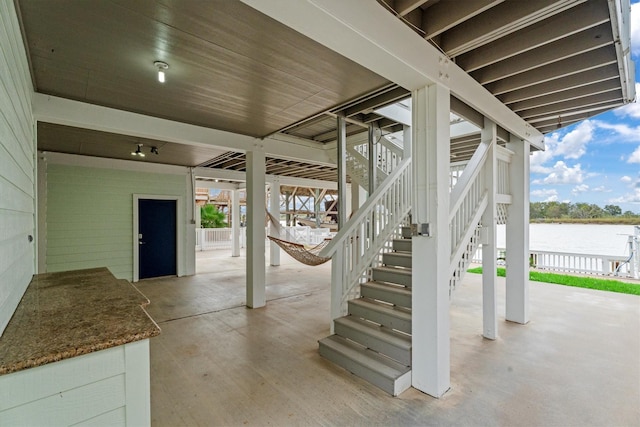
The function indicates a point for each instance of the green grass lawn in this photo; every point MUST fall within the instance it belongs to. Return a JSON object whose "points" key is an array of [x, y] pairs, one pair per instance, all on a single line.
{"points": [[577, 281]]}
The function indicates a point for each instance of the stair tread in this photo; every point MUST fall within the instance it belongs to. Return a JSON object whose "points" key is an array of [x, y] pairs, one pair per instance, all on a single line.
{"points": [[365, 357], [400, 313], [380, 332], [397, 289], [401, 270]]}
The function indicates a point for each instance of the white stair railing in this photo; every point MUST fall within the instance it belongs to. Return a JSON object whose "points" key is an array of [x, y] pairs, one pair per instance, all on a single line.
{"points": [[388, 157], [468, 201], [356, 245]]}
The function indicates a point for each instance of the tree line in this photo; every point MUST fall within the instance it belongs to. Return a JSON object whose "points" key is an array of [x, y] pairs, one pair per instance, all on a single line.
{"points": [[560, 210]]}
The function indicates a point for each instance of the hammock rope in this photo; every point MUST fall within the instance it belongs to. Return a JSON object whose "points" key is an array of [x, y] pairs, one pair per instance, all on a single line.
{"points": [[301, 253]]}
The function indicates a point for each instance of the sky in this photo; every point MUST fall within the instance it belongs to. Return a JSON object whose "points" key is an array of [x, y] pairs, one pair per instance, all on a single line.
{"points": [[597, 160]]}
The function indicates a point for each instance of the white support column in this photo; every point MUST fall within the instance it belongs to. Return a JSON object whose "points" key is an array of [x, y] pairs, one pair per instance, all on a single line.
{"points": [[235, 223], [432, 252], [517, 234], [274, 209], [489, 277], [342, 170], [189, 242], [373, 159], [406, 142], [256, 167]]}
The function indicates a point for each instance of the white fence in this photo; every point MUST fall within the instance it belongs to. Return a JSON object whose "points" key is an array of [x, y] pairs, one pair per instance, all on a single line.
{"points": [[217, 238], [603, 265], [221, 238]]}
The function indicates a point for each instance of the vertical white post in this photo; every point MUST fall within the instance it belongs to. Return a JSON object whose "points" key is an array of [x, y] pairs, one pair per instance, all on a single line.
{"points": [[373, 159], [337, 277], [431, 253], [342, 171], [235, 223], [274, 209], [517, 234], [193, 215], [256, 289], [489, 254], [406, 142]]}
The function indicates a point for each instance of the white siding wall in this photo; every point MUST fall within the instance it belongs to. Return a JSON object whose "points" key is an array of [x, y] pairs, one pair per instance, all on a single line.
{"points": [[17, 197]]}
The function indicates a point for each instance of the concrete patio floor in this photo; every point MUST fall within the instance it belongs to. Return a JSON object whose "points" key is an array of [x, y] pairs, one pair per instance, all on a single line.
{"points": [[577, 362]]}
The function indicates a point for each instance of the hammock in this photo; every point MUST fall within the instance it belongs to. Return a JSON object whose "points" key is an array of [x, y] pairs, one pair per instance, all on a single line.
{"points": [[301, 253]]}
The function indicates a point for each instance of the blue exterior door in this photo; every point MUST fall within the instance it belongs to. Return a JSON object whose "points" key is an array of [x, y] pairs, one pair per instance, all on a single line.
{"points": [[157, 238]]}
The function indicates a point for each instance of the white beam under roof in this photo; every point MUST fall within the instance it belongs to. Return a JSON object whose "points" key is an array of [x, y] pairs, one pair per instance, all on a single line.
{"points": [[232, 175], [67, 112], [366, 33]]}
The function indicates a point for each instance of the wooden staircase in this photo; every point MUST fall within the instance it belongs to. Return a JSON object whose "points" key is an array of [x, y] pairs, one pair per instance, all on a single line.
{"points": [[374, 340]]}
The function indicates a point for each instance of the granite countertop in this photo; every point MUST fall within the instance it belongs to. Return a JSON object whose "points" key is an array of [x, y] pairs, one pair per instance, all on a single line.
{"points": [[67, 314]]}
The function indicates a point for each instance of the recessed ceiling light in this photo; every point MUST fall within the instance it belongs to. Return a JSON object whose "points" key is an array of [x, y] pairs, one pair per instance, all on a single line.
{"points": [[162, 67]]}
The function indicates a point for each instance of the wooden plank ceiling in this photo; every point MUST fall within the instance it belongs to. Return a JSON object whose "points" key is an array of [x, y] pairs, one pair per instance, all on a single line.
{"points": [[553, 62]]}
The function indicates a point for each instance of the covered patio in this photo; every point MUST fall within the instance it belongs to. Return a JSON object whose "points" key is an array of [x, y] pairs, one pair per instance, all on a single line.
{"points": [[219, 363]]}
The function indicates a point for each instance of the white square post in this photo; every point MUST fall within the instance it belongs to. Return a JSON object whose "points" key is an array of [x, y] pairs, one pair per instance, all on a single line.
{"points": [[489, 303], [431, 253], [256, 288], [274, 210], [517, 234], [235, 223]]}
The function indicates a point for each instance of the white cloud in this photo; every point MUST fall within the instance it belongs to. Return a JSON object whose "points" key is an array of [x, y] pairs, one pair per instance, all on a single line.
{"points": [[582, 188], [629, 133], [601, 189], [633, 197], [563, 174], [635, 156], [544, 193], [574, 143], [635, 29], [539, 158], [626, 179]]}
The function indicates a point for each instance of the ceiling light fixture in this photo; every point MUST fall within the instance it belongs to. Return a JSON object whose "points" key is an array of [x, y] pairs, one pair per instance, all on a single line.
{"points": [[162, 67], [154, 150], [138, 151]]}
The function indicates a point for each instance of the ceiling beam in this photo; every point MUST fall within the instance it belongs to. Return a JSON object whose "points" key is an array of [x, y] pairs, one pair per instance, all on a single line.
{"points": [[579, 92], [580, 18], [574, 45], [500, 21], [368, 34], [582, 104], [577, 80], [67, 112], [442, 16], [567, 67]]}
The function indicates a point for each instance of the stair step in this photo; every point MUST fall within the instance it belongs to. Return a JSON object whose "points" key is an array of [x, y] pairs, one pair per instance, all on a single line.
{"points": [[392, 377], [403, 245], [397, 259], [397, 295], [386, 315], [406, 232], [401, 276], [378, 338]]}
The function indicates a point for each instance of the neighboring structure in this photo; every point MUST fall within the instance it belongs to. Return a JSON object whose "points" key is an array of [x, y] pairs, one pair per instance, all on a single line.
{"points": [[389, 93]]}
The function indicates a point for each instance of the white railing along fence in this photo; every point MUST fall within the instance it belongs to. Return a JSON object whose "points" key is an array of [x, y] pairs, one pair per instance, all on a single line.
{"points": [[356, 246], [568, 262], [217, 238]]}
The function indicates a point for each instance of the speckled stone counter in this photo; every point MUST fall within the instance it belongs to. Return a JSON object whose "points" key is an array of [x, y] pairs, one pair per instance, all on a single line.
{"points": [[68, 314]]}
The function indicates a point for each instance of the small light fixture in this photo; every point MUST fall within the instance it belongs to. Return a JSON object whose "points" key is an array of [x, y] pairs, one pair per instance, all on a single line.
{"points": [[162, 67], [154, 150], [138, 151]]}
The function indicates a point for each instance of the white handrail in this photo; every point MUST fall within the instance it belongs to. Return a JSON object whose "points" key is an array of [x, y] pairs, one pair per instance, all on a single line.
{"points": [[365, 210], [367, 233]]}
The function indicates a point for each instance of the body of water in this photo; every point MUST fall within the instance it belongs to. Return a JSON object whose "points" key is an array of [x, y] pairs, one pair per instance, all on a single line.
{"points": [[598, 239]]}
